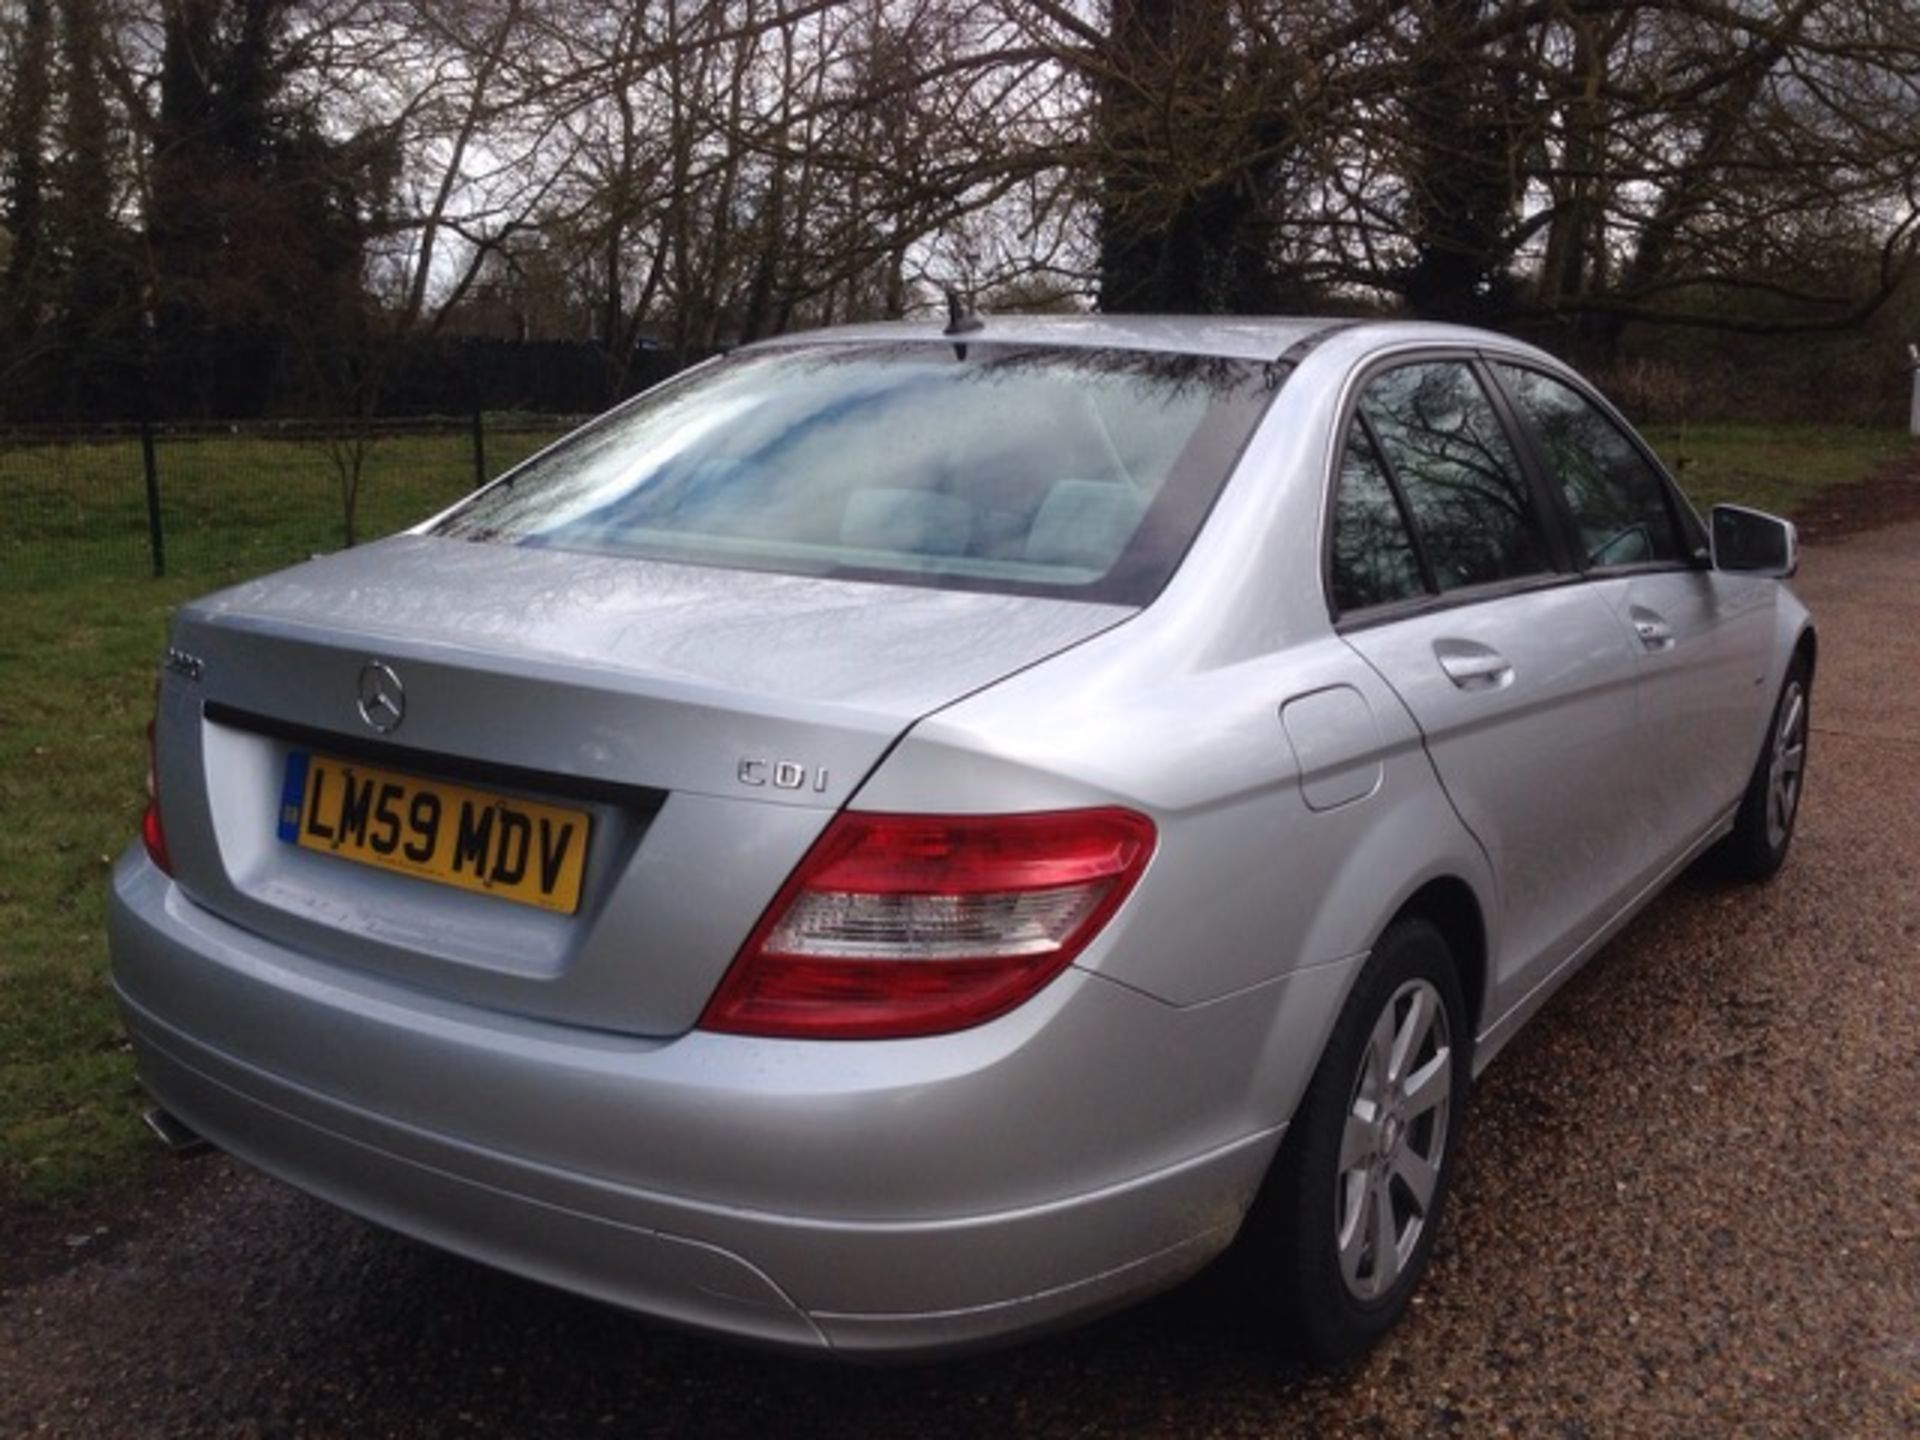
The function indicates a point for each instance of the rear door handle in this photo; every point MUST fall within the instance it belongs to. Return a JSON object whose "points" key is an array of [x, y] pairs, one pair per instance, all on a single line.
{"points": [[1652, 628], [1473, 666]]}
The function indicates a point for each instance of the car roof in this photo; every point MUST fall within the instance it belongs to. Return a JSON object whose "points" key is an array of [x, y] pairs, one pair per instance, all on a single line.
{"points": [[1240, 337]]}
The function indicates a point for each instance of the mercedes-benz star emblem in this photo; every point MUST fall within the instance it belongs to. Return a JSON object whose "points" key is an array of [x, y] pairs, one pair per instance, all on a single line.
{"points": [[383, 699]]}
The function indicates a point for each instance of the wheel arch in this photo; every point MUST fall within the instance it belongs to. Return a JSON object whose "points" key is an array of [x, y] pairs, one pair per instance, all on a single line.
{"points": [[1449, 904], [1808, 647], [1295, 1210]]}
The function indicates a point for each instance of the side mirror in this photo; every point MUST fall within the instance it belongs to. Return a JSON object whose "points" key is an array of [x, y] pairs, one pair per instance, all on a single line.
{"points": [[1752, 542]]}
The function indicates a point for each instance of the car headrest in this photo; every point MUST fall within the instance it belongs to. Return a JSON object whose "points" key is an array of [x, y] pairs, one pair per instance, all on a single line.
{"points": [[914, 522], [1085, 523]]}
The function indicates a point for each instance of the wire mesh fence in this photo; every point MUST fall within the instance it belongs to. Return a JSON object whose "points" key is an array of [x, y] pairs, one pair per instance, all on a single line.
{"points": [[224, 501]]}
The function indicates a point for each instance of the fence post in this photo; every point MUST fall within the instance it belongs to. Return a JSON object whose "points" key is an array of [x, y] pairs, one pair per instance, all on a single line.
{"points": [[1913, 364], [156, 536], [479, 424], [479, 447]]}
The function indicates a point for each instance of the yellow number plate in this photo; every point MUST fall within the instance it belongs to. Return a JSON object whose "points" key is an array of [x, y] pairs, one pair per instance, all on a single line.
{"points": [[519, 850]]}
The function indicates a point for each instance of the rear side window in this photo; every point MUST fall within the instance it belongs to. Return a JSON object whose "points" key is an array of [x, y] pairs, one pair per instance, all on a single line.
{"points": [[1618, 502], [1374, 562], [1463, 483], [1081, 473]]}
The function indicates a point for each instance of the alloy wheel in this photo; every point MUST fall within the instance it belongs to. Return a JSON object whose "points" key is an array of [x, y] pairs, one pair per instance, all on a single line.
{"points": [[1394, 1140], [1788, 762]]}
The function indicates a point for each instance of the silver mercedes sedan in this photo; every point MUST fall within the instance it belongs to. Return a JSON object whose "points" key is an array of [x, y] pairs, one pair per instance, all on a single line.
{"points": [[903, 836]]}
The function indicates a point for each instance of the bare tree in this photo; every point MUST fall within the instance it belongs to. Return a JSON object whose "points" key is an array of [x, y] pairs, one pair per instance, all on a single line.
{"points": [[356, 174], [29, 101]]}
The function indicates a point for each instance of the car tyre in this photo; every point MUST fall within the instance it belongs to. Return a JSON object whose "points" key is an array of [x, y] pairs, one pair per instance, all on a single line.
{"points": [[1763, 827], [1344, 1228]]}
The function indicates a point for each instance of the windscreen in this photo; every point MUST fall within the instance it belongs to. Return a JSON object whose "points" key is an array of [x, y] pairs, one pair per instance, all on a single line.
{"points": [[1060, 471]]}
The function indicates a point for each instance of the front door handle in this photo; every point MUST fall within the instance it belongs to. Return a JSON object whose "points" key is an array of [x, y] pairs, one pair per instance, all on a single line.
{"points": [[1652, 628], [1473, 666]]}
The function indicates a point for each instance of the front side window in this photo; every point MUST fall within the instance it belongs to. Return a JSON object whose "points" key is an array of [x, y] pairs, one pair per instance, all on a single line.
{"points": [[1468, 496], [1618, 502], [1026, 469]]}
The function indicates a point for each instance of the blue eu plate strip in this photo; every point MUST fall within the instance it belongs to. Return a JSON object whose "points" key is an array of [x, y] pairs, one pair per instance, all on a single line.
{"points": [[292, 794]]}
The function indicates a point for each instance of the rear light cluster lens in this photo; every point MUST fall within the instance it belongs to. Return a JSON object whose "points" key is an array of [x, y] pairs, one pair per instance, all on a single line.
{"points": [[899, 925], [151, 830]]}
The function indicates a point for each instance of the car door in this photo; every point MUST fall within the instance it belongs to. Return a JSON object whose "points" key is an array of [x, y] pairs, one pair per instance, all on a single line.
{"points": [[1701, 637], [1450, 578]]}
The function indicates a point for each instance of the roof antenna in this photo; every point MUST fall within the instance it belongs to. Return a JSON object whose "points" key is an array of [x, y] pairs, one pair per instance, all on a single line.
{"points": [[960, 320]]}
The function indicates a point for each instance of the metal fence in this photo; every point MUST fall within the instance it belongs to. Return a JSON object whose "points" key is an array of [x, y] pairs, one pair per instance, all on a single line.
{"points": [[221, 501]]}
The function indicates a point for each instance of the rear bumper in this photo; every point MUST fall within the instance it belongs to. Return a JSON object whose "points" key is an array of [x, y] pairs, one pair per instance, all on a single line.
{"points": [[869, 1198]]}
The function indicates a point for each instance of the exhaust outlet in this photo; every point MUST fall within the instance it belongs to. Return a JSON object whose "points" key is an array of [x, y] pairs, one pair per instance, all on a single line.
{"points": [[174, 1133]]}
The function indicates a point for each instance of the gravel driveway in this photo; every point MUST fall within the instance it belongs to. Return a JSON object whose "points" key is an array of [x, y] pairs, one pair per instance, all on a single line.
{"points": [[1689, 1204]]}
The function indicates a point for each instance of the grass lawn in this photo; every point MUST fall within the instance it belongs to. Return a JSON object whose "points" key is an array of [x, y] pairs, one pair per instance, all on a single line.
{"points": [[84, 628], [1771, 467], [230, 505], [76, 688]]}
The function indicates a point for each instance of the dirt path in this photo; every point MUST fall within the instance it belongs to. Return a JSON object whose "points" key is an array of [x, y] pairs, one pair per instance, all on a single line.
{"points": [[1689, 1205]]}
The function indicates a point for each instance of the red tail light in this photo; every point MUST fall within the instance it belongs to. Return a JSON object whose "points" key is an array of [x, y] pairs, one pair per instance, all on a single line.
{"points": [[151, 830], [900, 925]]}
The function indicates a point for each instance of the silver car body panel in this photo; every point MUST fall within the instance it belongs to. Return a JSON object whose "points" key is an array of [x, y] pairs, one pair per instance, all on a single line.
{"points": [[630, 673], [1231, 337], [1710, 649], [854, 1178], [527, 1089], [1519, 753]]}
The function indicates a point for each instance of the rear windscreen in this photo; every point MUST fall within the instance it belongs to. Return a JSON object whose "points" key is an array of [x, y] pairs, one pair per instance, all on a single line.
{"points": [[1035, 470]]}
